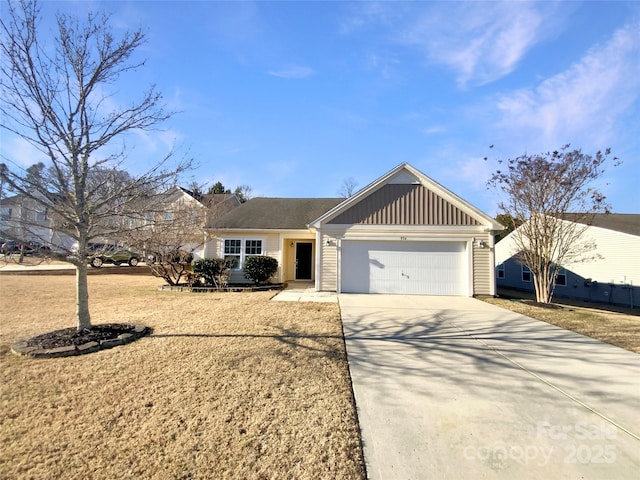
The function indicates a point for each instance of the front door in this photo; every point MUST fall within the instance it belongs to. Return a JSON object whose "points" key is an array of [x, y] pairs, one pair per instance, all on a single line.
{"points": [[304, 258]]}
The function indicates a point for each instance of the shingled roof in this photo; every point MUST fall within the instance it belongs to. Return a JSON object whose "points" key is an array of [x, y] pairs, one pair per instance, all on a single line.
{"points": [[275, 213], [620, 222]]}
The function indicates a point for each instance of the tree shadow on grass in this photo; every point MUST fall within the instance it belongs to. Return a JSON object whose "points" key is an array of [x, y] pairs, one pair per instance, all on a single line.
{"points": [[322, 344]]}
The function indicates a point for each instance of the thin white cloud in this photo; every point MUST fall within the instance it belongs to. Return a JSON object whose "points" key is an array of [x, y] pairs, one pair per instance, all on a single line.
{"points": [[20, 152], [295, 72], [435, 130], [363, 14], [481, 41], [583, 103]]}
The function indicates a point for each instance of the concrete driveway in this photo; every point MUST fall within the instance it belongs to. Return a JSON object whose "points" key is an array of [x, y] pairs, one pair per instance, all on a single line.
{"points": [[452, 387]]}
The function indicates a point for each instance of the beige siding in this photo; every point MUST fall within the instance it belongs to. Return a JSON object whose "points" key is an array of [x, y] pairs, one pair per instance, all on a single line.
{"points": [[328, 264], [397, 204], [482, 267], [215, 248]]}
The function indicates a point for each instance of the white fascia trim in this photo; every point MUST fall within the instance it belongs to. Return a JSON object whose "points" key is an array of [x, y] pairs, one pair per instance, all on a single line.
{"points": [[386, 238], [461, 229], [227, 231]]}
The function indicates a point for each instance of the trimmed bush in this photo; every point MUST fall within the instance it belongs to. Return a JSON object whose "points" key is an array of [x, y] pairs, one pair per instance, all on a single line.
{"points": [[214, 271], [260, 268]]}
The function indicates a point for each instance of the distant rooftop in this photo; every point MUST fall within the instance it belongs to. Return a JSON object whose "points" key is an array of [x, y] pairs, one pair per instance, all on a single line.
{"points": [[619, 222]]}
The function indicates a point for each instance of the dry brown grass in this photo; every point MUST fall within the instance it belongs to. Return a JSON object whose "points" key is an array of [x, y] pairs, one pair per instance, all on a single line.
{"points": [[620, 328], [228, 386]]}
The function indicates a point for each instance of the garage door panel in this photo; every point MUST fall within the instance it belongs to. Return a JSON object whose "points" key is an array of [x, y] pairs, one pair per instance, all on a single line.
{"points": [[432, 268]]}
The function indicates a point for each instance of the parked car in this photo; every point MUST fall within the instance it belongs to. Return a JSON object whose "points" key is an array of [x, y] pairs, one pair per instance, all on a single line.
{"points": [[101, 254], [9, 246], [28, 248]]}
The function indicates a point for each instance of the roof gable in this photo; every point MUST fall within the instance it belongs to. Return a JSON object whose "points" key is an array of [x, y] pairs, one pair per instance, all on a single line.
{"points": [[404, 204], [405, 196]]}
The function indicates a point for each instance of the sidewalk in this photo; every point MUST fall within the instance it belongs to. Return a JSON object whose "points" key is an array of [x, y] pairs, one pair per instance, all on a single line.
{"points": [[304, 292]]}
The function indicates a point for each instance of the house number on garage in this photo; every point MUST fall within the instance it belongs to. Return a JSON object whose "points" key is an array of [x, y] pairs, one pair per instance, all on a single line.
{"points": [[403, 238]]}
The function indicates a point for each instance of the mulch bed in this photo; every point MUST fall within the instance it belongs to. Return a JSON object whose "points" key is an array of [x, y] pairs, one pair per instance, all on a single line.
{"points": [[71, 336], [70, 342]]}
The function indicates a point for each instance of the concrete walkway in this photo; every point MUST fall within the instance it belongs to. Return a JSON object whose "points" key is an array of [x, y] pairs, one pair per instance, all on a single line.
{"points": [[452, 387], [304, 292]]}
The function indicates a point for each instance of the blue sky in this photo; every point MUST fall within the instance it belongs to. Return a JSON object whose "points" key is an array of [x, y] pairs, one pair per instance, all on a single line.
{"points": [[292, 98]]}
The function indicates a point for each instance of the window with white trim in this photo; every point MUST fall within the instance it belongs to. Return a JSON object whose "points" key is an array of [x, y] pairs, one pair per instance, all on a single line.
{"points": [[561, 278], [237, 250], [501, 271], [232, 251], [526, 274]]}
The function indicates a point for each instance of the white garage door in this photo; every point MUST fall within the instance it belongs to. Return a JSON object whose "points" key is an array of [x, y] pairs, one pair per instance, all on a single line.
{"points": [[426, 268]]}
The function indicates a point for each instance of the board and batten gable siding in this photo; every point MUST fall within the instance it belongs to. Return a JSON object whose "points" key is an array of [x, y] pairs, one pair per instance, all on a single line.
{"points": [[404, 204]]}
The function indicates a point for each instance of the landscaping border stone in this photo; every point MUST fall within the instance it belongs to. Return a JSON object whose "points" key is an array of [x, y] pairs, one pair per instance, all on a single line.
{"points": [[21, 347], [229, 288]]}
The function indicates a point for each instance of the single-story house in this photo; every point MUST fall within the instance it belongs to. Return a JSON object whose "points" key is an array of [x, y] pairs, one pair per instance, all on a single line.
{"points": [[613, 276], [404, 233]]}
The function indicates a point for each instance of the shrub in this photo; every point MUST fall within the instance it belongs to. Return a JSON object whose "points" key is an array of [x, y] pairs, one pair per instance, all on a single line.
{"points": [[214, 271], [170, 263], [260, 269]]}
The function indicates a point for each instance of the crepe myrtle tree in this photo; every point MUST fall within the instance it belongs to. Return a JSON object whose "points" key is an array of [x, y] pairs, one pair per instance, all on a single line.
{"points": [[556, 193], [58, 94]]}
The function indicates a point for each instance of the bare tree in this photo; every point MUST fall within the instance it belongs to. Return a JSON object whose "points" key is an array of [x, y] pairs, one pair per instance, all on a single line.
{"points": [[56, 95], [555, 193], [348, 187], [169, 236], [243, 192]]}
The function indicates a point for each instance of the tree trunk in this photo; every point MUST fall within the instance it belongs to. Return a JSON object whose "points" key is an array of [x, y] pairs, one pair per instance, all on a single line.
{"points": [[82, 297], [544, 288]]}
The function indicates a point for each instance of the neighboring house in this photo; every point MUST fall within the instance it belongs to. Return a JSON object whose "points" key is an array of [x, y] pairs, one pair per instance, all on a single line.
{"points": [[612, 277], [213, 206], [178, 217], [25, 220], [404, 233]]}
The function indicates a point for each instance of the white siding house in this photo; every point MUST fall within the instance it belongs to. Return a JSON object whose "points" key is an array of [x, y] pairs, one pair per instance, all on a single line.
{"points": [[612, 277]]}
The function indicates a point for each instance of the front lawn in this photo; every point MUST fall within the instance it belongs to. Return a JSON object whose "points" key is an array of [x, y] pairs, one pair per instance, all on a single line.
{"points": [[617, 326], [227, 386]]}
